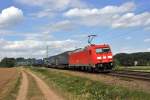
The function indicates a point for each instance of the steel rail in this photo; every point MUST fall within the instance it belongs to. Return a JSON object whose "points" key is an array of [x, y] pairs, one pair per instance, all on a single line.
{"points": [[132, 74]]}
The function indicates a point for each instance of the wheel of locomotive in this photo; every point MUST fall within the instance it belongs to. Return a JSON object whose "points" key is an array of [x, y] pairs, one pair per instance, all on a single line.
{"points": [[86, 68], [81, 68], [89, 69]]}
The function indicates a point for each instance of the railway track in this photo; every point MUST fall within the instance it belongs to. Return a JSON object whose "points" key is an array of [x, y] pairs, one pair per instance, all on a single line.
{"points": [[132, 74], [124, 73]]}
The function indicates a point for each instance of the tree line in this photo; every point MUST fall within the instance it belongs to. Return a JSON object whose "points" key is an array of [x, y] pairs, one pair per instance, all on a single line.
{"points": [[12, 62], [132, 59]]}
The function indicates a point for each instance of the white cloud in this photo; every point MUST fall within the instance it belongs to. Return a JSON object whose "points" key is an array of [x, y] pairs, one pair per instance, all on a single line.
{"points": [[45, 3], [76, 12], [129, 50], [34, 48], [40, 36], [148, 49], [147, 28], [43, 13], [10, 16], [122, 16], [147, 40], [64, 25], [128, 38], [21, 45], [125, 50], [34, 44], [6, 32], [48, 8], [131, 20], [53, 4]]}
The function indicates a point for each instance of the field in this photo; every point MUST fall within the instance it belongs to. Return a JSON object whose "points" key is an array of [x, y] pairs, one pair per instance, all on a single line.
{"points": [[21, 84], [80, 88], [44, 83], [134, 68], [9, 83]]}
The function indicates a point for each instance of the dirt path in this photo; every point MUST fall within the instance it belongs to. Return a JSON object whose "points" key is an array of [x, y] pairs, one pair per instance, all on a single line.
{"points": [[23, 88], [47, 92]]}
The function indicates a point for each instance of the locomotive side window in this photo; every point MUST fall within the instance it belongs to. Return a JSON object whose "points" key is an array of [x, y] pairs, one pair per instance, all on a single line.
{"points": [[106, 50], [102, 50], [99, 50]]}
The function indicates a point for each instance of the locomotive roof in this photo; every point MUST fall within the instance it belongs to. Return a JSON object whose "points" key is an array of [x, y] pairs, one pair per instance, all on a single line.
{"points": [[92, 45], [103, 45], [80, 49]]}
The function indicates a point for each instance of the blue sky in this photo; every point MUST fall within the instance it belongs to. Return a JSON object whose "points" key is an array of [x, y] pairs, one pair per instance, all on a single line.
{"points": [[28, 26]]}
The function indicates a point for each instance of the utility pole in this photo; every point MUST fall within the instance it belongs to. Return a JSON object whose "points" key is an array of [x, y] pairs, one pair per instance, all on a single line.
{"points": [[47, 51]]}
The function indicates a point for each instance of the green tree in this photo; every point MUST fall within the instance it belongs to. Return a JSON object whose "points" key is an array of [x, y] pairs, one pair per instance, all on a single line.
{"points": [[124, 59], [8, 62]]}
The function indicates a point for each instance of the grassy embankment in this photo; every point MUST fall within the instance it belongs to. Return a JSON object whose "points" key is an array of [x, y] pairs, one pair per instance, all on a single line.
{"points": [[134, 68], [12, 89], [77, 88]]}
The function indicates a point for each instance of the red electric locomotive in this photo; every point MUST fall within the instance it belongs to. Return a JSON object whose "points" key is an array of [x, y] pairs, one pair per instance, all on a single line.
{"points": [[93, 57]]}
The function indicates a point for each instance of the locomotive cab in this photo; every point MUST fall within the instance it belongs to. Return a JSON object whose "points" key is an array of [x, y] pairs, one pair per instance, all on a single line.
{"points": [[103, 58]]}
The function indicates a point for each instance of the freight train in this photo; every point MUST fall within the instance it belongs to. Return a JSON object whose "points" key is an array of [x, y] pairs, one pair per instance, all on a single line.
{"points": [[93, 58]]}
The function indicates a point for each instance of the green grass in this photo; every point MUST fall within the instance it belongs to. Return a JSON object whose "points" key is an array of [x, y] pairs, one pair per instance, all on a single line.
{"points": [[34, 92], [77, 88], [134, 68]]}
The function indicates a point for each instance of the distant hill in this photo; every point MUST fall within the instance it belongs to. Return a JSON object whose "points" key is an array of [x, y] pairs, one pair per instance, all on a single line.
{"points": [[139, 59]]}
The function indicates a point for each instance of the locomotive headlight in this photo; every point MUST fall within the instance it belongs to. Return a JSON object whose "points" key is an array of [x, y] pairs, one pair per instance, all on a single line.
{"points": [[99, 57], [104, 57], [109, 57]]}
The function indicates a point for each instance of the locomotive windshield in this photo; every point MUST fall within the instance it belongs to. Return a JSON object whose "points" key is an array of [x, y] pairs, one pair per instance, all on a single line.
{"points": [[102, 50]]}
